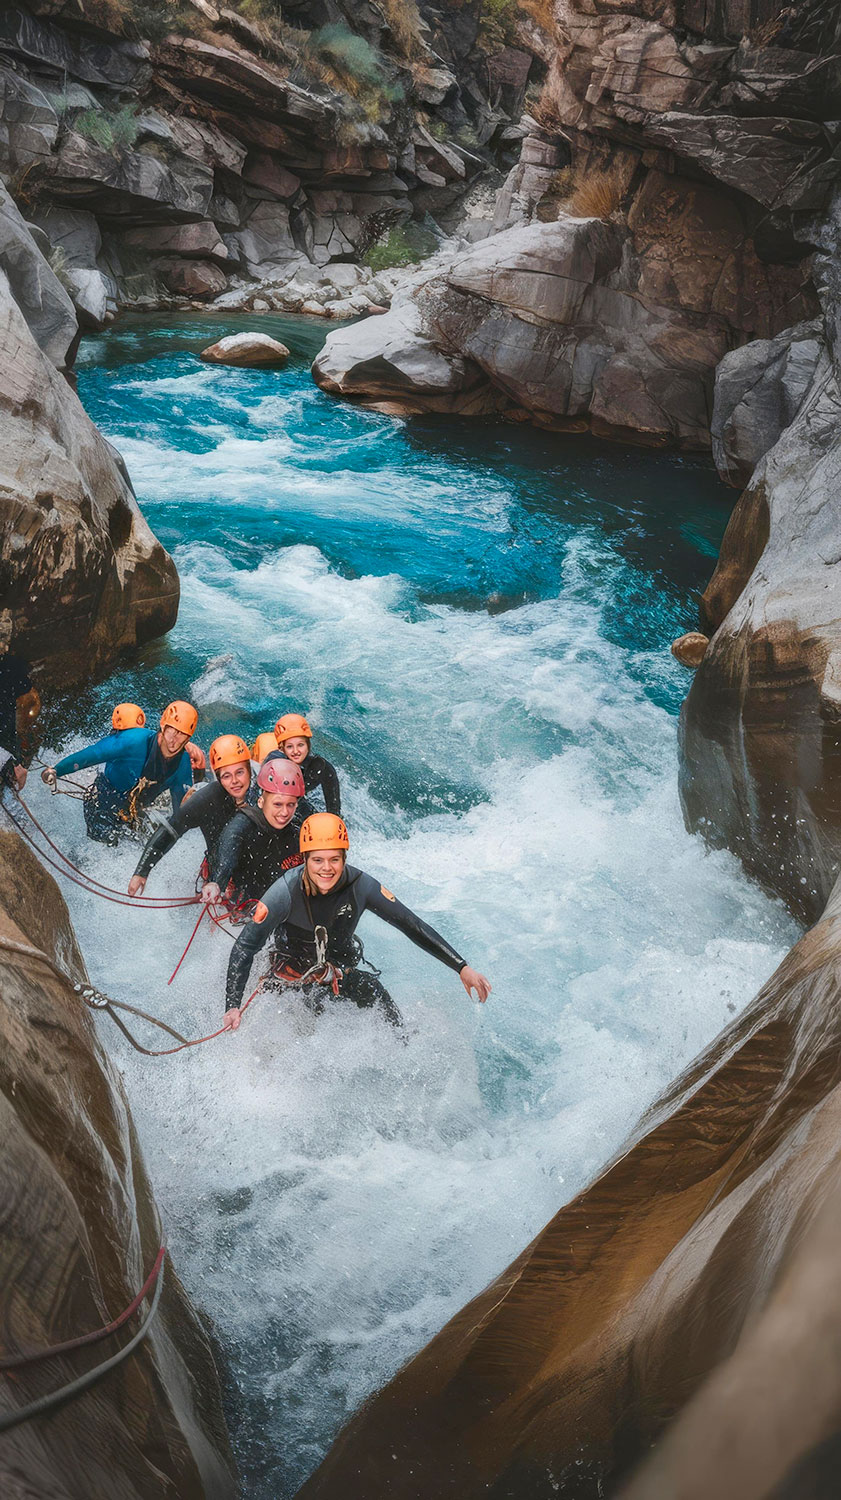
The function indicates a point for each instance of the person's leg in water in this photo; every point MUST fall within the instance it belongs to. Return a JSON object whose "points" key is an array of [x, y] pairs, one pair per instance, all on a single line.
{"points": [[101, 807], [365, 990]]}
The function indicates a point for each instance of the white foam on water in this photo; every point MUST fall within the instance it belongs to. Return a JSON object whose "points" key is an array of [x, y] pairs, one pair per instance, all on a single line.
{"points": [[335, 1191]]}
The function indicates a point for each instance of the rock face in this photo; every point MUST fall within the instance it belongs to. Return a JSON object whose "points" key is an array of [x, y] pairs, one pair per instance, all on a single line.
{"points": [[80, 1235], [758, 391], [583, 321], [706, 163], [760, 744], [690, 1294], [259, 144], [247, 350], [81, 575]]}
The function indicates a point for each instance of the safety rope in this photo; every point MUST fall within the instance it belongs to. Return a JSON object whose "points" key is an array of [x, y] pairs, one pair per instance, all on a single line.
{"points": [[88, 882], [83, 1383], [17, 1361], [201, 916]]}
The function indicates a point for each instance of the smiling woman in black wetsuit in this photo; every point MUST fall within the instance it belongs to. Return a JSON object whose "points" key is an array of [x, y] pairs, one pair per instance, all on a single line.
{"points": [[328, 893], [294, 736]]}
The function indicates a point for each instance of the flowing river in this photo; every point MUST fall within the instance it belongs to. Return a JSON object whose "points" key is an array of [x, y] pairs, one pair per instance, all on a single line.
{"points": [[476, 620]]}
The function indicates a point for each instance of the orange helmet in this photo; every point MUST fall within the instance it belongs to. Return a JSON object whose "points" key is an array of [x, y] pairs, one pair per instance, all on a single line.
{"points": [[291, 726], [228, 750], [263, 746], [128, 716], [323, 831], [181, 716]]}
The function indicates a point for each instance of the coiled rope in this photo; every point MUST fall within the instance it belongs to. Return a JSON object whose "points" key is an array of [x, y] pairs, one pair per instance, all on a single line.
{"points": [[83, 1383]]}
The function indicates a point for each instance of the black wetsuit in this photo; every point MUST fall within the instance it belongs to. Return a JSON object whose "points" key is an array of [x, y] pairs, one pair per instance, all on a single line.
{"points": [[253, 854], [14, 682], [292, 917], [317, 771], [210, 808]]}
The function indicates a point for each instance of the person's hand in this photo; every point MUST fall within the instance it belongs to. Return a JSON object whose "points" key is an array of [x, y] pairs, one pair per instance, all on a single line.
{"points": [[197, 756], [20, 777], [473, 980], [232, 1019], [137, 885], [210, 894], [49, 778]]}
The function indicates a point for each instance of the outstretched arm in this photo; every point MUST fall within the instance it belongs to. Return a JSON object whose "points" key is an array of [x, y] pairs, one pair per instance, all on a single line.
{"points": [[330, 788], [378, 899], [94, 755], [166, 835], [268, 914]]}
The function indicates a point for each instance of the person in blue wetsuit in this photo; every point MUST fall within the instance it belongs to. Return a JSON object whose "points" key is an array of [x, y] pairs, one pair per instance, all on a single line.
{"points": [[138, 765]]}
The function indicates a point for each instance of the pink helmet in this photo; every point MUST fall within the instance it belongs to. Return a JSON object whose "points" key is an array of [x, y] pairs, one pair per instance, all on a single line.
{"points": [[277, 774]]}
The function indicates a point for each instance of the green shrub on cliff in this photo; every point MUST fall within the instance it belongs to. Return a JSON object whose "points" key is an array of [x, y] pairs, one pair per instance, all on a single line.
{"points": [[404, 245], [108, 130]]}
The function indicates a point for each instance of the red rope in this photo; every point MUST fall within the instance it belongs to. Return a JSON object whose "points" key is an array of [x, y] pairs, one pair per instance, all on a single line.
{"points": [[201, 917], [87, 882], [197, 1041], [15, 1361]]}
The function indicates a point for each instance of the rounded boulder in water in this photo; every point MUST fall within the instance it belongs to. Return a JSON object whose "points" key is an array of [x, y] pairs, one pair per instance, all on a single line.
{"points": [[690, 649], [247, 350]]}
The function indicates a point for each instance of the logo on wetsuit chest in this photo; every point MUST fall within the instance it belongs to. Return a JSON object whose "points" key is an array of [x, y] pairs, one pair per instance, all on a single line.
{"points": [[345, 911]]}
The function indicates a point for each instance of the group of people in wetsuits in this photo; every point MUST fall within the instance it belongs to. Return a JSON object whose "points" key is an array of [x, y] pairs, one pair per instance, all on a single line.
{"points": [[270, 856]]}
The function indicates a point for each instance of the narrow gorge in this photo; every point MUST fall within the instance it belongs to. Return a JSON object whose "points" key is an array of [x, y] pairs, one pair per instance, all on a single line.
{"points": [[577, 255]]}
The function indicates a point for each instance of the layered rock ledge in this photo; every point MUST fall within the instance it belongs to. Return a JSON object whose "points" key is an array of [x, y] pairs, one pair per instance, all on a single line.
{"points": [[80, 1233]]}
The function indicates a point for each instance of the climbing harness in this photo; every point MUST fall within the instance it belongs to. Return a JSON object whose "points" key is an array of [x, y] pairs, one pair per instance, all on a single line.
{"points": [[38, 1408], [131, 814], [321, 972]]}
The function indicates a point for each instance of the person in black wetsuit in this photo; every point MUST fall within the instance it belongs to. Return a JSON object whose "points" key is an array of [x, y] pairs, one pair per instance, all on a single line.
{"points": [[294, 737], [313, 913], [209, 808], [260, 842], [15, 684]]}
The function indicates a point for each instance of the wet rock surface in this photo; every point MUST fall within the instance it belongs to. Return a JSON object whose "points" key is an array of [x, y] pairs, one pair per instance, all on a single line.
{"points": [[80, 1235], [81, 575]]}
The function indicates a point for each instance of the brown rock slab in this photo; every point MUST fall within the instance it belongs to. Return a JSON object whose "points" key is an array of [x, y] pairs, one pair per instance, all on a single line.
{"points": [[689, 1299], [80, 1234], [195, 241], [248, 350]]}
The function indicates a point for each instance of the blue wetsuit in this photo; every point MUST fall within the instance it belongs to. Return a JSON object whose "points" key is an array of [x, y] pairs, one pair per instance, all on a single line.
{"points": [[128, 756]]}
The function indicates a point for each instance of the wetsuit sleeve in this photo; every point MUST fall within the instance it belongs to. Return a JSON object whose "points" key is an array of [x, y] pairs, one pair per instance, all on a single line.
{"points": [[229, 848], [95, 755], [330, 788], [167, 834], [372, 897], [7, 767], [183, 781], [277, 904]]}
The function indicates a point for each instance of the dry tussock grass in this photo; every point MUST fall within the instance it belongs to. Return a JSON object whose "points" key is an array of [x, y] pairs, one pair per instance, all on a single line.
{"points": [[594, 194]]}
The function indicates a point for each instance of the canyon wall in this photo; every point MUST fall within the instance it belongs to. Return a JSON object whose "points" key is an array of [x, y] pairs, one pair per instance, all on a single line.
{"points": [[665, 210], [80, 1233]]}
